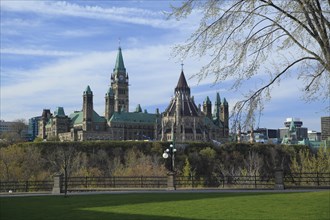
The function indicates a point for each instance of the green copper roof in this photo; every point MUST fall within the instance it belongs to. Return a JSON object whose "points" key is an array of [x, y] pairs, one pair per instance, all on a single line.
{"points": [[119, 66], [210, 123], [292, 127], [77, 117], [207, 100], [138, 108], [225, 101], [217, 99], [59, 112], [109, 92], [133, 117], [88, 90]]}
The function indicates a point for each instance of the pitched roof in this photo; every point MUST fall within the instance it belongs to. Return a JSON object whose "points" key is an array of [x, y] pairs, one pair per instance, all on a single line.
{"points": [[88, 90], [182, 84], [138, 108], [133, 117], [207, 100], [59, 111], [225, 101], [292, 127], [119, 66], [212, 123], [77, 117], [188, 107], [217, 99]]}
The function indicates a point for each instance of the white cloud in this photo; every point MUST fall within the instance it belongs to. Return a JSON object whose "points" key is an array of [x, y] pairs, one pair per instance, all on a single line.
{"points": [[79, 33], [120, 14], [37, 52], [19, 22]]}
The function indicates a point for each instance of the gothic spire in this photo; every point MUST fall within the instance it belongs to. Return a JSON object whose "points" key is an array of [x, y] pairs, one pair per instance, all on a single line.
{"points": [[88, 90], [217, 99], [182, 84], [207, 100], [119, 66]]}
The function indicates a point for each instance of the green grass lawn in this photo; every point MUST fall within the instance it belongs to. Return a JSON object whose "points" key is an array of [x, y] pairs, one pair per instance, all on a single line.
{"points": [[170, 206]]}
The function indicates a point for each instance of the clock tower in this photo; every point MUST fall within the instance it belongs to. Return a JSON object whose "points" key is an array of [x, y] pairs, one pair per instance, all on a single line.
{"points": [[119, 85]]}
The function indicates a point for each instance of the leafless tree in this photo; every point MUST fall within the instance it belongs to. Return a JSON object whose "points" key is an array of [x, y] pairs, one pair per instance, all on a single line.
{"points": [[271, 40], [19, 126], [62, 159]]}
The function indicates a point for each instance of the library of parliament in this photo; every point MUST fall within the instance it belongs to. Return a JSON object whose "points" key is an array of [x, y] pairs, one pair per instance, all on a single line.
{"points": [[181, 121]]}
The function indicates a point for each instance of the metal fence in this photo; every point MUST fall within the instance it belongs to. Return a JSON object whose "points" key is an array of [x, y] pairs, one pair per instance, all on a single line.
{"points": [[102, 183], [254, 181], [307, 180], [26, 186], [99, 183], [291, 180]]}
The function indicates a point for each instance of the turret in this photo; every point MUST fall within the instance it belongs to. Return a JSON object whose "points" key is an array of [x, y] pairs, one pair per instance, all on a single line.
{"points": [[138, 108], [88, 109], [217, 107], [109, 104], [224, 116], [207, 107], [46, 115]]}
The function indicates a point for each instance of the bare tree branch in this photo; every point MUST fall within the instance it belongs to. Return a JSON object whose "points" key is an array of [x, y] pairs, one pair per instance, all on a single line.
{"points": [[242, 36], [313, 79]]}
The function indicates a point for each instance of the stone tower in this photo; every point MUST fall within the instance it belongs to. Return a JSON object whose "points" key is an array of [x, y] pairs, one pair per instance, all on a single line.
{"points": [[119, 85], [46, 115], [109, 104], [88, 109], [224, 116], [207, 107], [217, 107]]}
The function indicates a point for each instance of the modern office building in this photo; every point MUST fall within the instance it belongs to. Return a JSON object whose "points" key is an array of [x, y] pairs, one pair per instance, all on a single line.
{"points": [[33, 128], [6, 126], [314, 136], [17, 130], [325, 128]]}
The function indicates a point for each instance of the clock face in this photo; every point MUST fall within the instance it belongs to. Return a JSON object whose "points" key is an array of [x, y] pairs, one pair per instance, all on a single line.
{"points": [[121, 77]]}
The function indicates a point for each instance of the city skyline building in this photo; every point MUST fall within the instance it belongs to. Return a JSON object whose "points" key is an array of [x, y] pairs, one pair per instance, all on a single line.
{"points": [[293, 130], [325, 128]]}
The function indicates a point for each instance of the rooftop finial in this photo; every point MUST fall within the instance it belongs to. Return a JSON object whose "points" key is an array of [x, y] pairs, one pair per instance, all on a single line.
{"points": [[119, 42], [182, 64]]}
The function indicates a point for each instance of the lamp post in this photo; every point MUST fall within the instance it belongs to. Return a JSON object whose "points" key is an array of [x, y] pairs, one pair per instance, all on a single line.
{"points": [[170, 152]]}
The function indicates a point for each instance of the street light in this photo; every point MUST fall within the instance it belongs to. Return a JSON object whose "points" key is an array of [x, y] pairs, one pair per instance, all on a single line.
{"points": [[170, 152]]}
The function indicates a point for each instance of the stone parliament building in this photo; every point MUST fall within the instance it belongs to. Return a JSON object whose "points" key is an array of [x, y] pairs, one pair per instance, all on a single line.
{"points": [[182, 120]]}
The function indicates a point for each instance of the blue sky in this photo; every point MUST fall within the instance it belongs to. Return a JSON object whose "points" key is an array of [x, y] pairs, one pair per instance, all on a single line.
{"points": [[51, 50]]}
